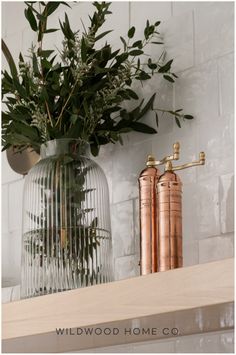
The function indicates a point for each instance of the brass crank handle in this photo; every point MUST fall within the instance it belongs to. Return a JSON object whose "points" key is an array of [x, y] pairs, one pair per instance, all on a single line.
{"points": [[175, 156]]}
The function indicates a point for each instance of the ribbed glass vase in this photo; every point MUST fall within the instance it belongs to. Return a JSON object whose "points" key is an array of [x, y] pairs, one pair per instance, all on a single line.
{"points": [[66, 222]]}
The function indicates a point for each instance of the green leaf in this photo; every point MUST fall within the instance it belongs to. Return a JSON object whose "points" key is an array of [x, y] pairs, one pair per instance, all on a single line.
{"points": [[157, 23], [83, 50], [136, 52], [124, 114], [35, 65], [132, 94], [50, 30], [131, 32], [65, 3], [26, 130], [125, 130], [138, 63], [65, 27], [21, 90], [120, 59], [31, 19], [177, 121], [45, 53], [188, 117], [102, 35], [142, 127], [138, 44], [151, 65], [51, 7], [124, 42], [157, 119], [143, 76], [136, 111], [154, 42], [21, 59], [10, 60], [169, 78], [73, 118], [166, 67], [44, 94], [94, 149], [148, 106], [114, 54]]}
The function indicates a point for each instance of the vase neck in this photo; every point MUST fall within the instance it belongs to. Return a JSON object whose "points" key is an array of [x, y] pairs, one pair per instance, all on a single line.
{"points": [[57, 147]]}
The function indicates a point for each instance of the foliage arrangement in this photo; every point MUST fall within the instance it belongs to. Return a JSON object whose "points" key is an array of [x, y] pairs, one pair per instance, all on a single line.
{"points": [[71, 235], [78, 91]]}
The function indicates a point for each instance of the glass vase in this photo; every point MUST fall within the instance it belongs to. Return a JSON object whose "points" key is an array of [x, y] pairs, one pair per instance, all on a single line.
{"points": [[66, 221]]}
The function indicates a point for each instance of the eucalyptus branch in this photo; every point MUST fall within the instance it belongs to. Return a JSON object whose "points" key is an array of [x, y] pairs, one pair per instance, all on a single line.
{"points": [[40, 48], [76, 95], [65, 104]]}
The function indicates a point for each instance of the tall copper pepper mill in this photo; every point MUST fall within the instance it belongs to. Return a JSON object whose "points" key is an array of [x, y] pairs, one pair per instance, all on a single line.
{"points": [[169, 195], [166, 238], [148, 212]]}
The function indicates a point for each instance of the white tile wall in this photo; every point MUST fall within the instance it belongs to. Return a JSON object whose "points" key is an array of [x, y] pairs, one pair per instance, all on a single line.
{"points": [[5, 209], [8, 175], [195, 90], [190, 251], [216, 248], [128, 161], [180, 7], [126, 267], [122, 228], [199, 35], [13, 24], [226, 203], [15, 203], [179, 30], [226, 83], [213, 29]]}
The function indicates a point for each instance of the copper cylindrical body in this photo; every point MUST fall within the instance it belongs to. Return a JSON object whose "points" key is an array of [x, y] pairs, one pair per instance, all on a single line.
{"points": [[148, 220], [169, 195]]}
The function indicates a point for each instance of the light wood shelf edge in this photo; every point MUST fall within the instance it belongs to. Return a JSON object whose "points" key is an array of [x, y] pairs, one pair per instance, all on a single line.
{"points": [[154, 295]]}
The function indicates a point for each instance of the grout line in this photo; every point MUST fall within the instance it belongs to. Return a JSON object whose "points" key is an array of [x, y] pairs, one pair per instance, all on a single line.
{"points": [[134, 227], [209, 60], [124, 256], [220, 189], [129, 14], [123, 201], [8, 208], [219, 91], [194, 39], [13, 181], [224, 235], [174, 96], [171, 9]]}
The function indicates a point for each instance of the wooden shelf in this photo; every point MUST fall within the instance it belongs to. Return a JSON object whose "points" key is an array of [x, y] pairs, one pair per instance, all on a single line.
{"points": [[192, 299]]}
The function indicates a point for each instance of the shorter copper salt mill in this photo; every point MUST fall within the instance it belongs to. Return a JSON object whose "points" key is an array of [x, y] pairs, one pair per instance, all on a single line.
{"points": [[161, 214]]}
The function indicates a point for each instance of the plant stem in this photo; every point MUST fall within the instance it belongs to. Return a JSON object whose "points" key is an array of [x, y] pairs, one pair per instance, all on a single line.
{"points": [[64, 106], [40, 47]]}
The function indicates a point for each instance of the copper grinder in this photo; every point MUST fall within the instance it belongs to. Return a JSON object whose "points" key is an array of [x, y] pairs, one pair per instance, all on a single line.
{"points": [[149, 212], [161, 214], [169, 218]]}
